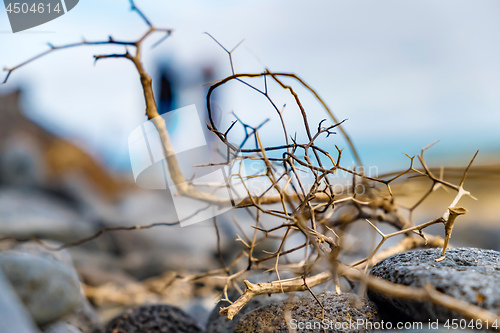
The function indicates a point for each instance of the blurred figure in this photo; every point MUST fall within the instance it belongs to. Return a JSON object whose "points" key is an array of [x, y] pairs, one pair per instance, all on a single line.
{"points": [[208, 78], [166, 100], [175, 91]]}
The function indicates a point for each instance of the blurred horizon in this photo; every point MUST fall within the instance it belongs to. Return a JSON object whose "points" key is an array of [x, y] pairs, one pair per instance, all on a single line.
{"points": [[403, 74]]}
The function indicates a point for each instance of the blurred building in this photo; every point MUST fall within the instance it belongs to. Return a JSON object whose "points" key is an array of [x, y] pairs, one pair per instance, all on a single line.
{"points": [[31, 156]]}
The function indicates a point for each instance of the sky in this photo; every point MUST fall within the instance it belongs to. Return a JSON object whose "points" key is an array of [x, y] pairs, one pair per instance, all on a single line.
{"points": [[404, 73]]}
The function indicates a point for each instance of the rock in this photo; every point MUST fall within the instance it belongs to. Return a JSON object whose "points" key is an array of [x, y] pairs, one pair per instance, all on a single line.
{"points": [[166, 247], [97, 267], [30, 213], [62, 328], [476, 235], [20, 162], [84, 319], [13, 315], [160, 318], [197, 309], [48, 289], [341, 314], [469, 274], [34, 248], [220, 324]]}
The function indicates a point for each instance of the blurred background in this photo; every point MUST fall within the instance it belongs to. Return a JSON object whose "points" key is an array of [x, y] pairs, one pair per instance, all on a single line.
{"points": [[404, 74]]}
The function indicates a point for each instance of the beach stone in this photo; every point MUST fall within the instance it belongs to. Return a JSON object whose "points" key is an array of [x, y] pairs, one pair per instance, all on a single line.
{"points": [[48, 289], [469, 274], [62, 328], [26, 213], [34, 248], [220, 324], [13, 315], [84, 319], [483, 236], [341, 314], [159, 318]]}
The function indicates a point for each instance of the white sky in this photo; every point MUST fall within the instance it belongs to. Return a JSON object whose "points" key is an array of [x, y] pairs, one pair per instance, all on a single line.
{"points": [[404, 73]]}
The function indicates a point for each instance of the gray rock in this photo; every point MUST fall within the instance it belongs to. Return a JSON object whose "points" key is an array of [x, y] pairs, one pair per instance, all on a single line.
{"points": [[476, 235], [220, 324], [62, 328], [469, 274], [13, 315], [34, 248], [160, 318], [21, 162], [341, 314], [197, 309], [84, 319], [48, 289], [29, 213]]}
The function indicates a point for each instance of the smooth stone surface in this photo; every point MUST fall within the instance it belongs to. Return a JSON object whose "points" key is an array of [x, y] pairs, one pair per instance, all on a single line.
{"points": [[36, 249], [486, 237], [29, 213], [62, 328], [469, 274], [305, 312], [84, 319], [13, 316], [48, 289], [160, 318]]}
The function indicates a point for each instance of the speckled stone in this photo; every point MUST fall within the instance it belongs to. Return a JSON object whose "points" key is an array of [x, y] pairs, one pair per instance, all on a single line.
{"points": [[160, 318], [305, 312], [469, 274], [221, 324]]}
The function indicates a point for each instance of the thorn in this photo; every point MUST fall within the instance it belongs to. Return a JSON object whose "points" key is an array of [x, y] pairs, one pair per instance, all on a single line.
{"points": [[430, 145]]}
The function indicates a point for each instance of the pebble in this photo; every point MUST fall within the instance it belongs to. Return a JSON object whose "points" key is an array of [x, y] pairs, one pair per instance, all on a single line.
{"points": [[62, 328], [340, 314], [13, 315], [49, 289], [469, 274], [220, 324], [159, 318], [29, 213]]}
